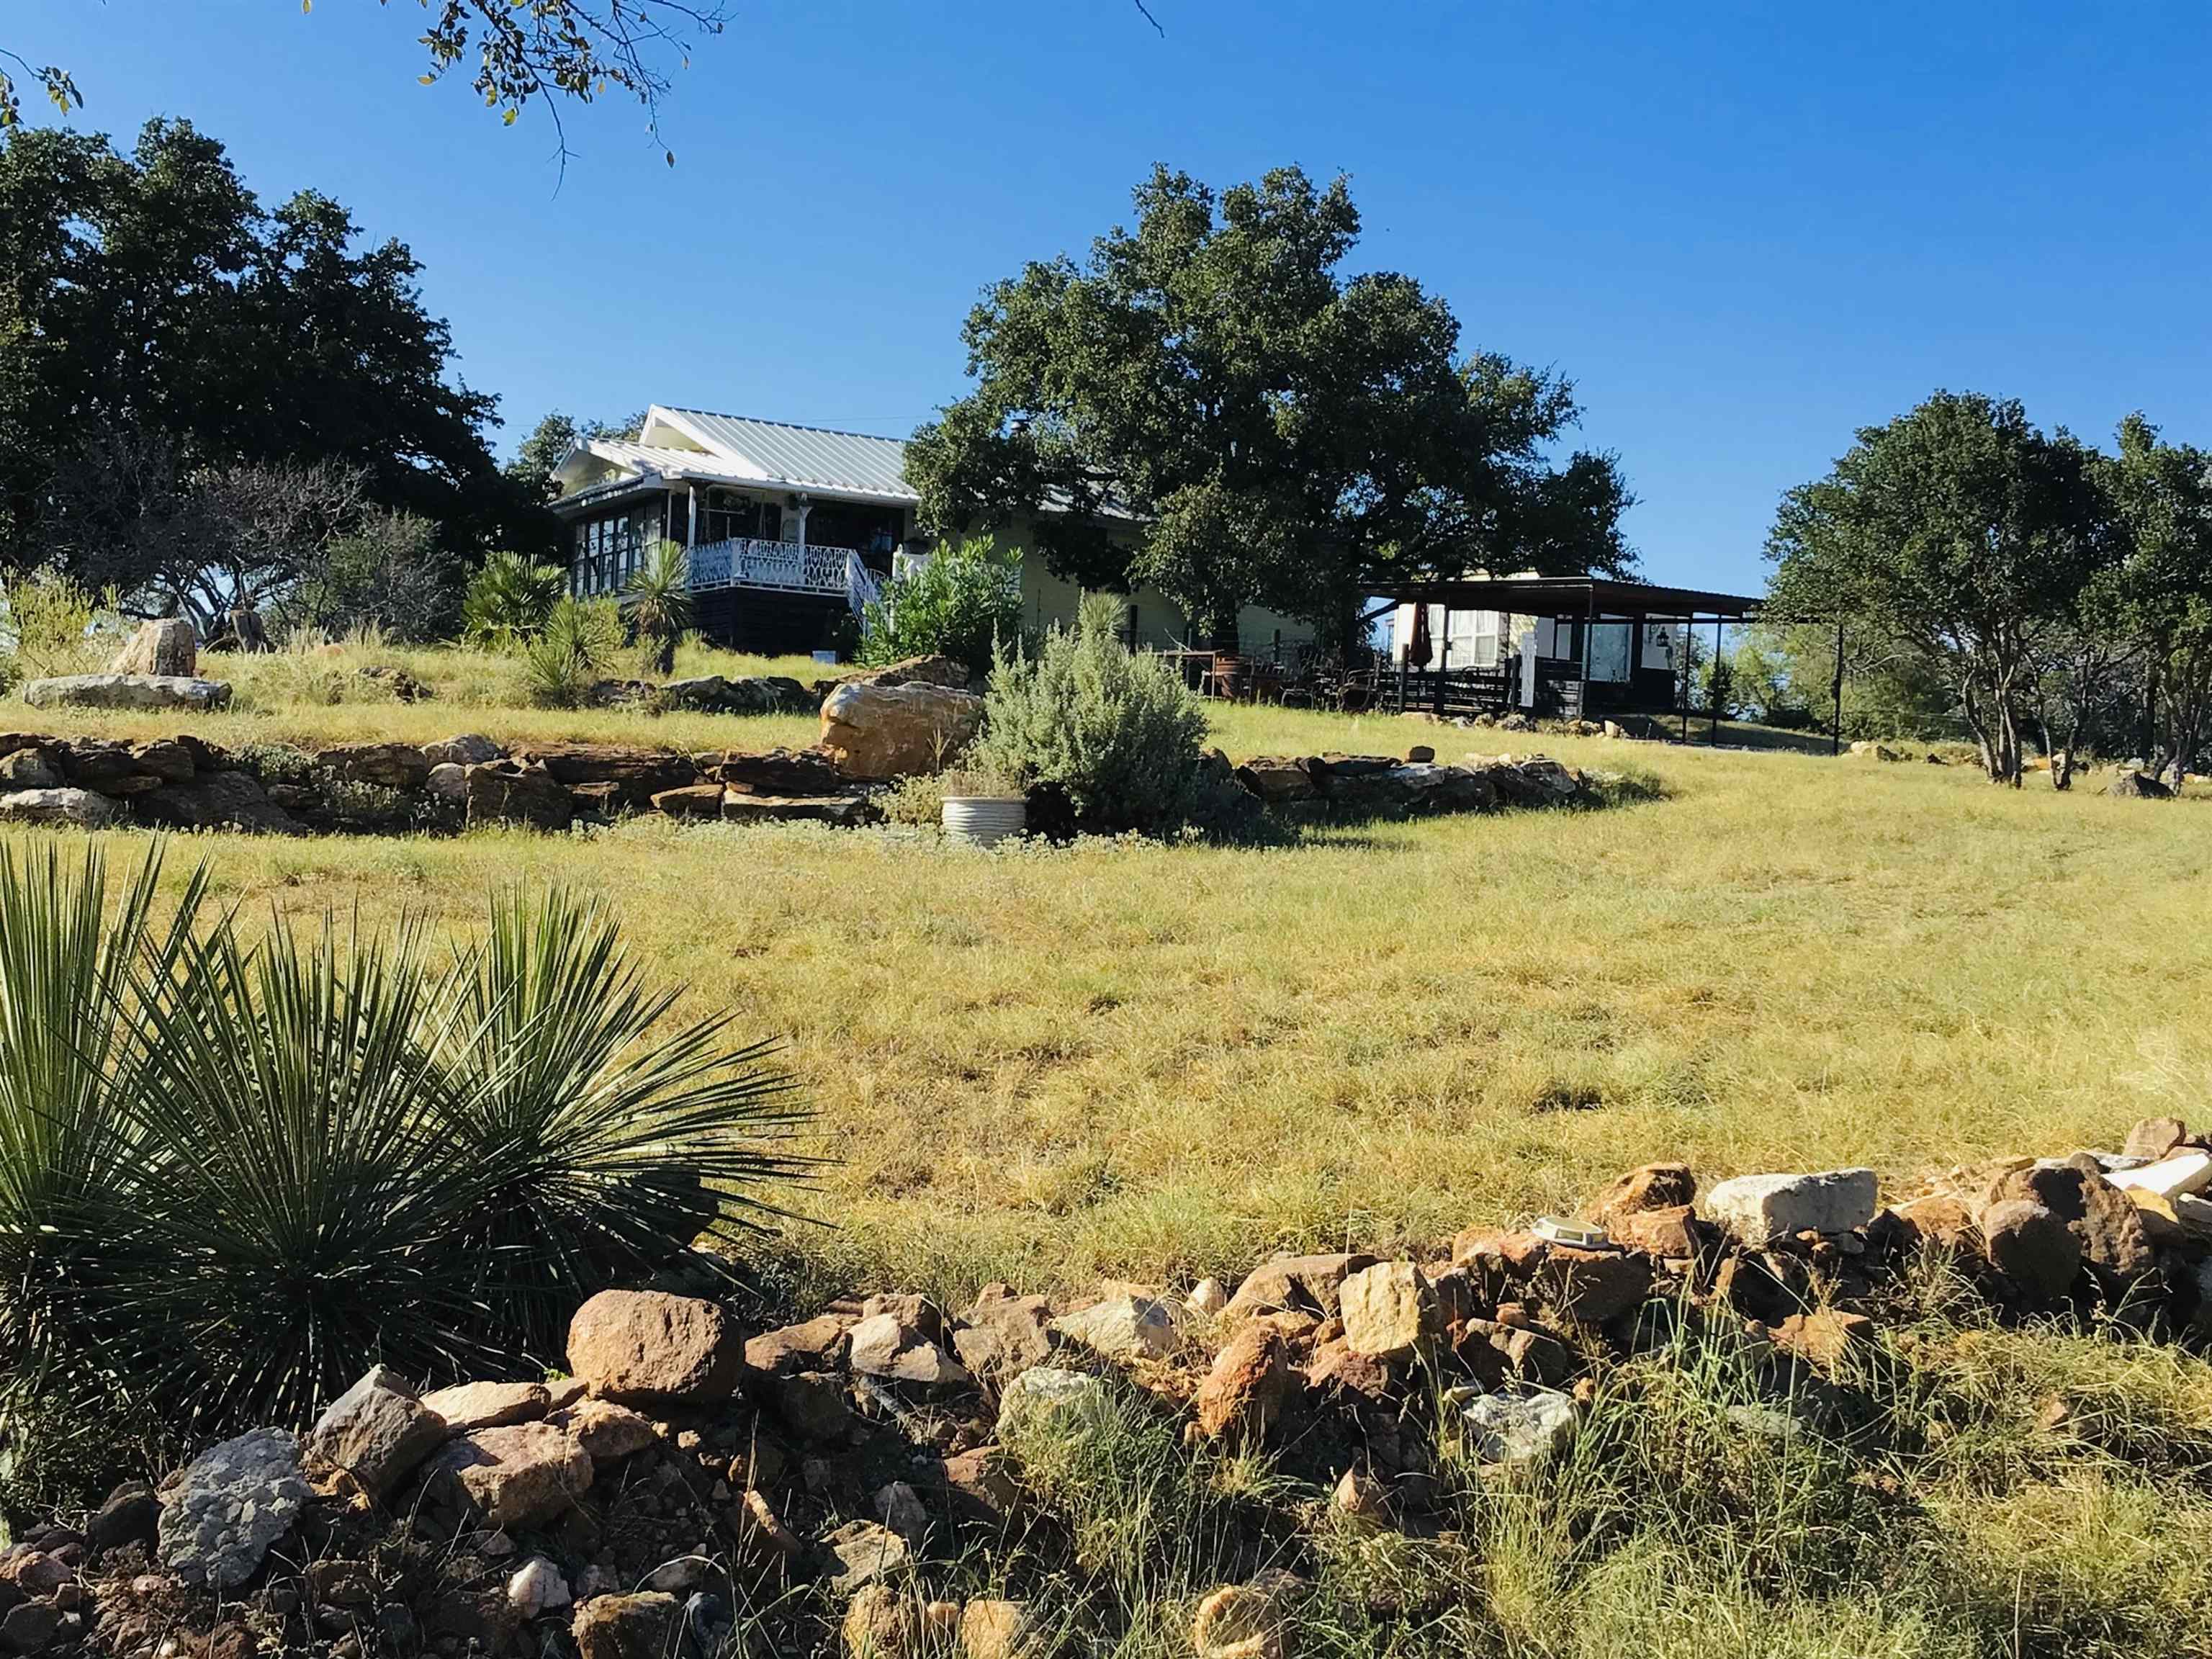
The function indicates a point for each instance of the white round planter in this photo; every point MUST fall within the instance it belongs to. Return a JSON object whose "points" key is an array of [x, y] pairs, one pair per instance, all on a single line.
{"points": [[984, 820]]}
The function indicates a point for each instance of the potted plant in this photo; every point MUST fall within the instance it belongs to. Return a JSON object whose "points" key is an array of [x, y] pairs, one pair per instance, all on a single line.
{"points": [[982, 807]]}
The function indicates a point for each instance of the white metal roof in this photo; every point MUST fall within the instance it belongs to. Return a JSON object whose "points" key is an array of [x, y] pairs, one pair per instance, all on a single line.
{"points": [[802, 457]]}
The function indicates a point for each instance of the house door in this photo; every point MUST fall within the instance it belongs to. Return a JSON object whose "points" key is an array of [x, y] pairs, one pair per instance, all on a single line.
{"points": [[1608, 650]]}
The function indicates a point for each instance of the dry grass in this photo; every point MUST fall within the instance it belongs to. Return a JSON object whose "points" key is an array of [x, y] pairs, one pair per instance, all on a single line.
{"points": [[1159, 1061]]}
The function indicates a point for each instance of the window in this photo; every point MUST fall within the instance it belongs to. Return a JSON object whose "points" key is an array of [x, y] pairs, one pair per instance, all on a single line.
{"points": [[1658, 646]]}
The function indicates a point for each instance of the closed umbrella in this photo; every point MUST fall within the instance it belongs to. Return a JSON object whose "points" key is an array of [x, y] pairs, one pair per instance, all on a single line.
{"points": [[1420, 649]]}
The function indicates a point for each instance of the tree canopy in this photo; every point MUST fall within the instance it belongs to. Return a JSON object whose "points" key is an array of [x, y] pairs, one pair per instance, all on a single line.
{"points": [[545, 51], [1212, 404], [2043, 583], [160, 328]]}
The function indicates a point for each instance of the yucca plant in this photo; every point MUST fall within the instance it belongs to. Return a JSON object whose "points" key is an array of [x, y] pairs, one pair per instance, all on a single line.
{"points": [[299, 1212], [574, 649], [656, 602], [614, 1144], [509, 599]]}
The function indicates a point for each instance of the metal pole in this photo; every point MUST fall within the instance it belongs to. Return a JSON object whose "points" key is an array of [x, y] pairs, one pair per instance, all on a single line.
{"points": [[1718, 623], [1444, 665], [1836, 737]]}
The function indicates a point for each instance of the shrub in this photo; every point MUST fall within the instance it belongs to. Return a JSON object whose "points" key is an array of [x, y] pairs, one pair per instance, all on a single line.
{"points": [[509, 600], [233, 1176], [965, 602], [47, 623], [387, 572], [573, 653], [1119, 733]]}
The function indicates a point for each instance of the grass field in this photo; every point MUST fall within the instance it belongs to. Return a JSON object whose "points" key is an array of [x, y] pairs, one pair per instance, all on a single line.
{"points": [[1159, 1061]]}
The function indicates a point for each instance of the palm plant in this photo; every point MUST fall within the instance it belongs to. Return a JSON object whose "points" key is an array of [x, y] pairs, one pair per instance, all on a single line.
{"points": [[656, 602], [614, 1146], [509, 600]]}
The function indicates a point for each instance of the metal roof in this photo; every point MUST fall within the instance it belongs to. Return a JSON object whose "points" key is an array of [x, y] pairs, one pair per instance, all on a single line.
{"points": [[669, 463], [1565, 596], [800, 456]]}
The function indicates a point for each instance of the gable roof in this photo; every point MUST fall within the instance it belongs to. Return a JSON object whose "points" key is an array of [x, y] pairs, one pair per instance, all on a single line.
{"points": [[736, 450]]}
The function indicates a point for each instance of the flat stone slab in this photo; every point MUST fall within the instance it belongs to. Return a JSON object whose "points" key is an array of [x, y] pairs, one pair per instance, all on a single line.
{"points": [[128, 691], [1761, 1208]]}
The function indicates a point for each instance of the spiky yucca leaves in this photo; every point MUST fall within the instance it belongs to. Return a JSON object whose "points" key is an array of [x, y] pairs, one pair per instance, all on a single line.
{"points": [[70, 969], [301, 1212], [614, 1146]]}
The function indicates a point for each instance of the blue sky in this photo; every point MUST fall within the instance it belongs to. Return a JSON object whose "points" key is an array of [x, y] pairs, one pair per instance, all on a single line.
{"points": [[1742, 229]]}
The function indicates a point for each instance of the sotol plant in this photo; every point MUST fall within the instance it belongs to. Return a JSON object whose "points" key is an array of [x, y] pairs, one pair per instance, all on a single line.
{"points": [[234, 1173], [509, 600], [656, 602]]}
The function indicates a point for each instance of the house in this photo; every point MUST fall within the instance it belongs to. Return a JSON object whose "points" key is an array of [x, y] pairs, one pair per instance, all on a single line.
{"points": [[1577, 646], [792, 529]]}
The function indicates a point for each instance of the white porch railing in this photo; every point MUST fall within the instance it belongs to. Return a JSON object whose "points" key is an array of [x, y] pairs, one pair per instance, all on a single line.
{"points": [[784, 565]]}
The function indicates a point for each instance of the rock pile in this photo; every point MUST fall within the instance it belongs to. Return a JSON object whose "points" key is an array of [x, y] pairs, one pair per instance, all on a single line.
{"points": [[687, 1468], [1382, 786]]}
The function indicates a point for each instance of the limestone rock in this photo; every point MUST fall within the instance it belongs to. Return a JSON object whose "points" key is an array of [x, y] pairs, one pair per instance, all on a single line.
{"points": [[636, 774], [1670, 1234], [1208, 1297], [690, 801], [1362, 1497], [813, 1405], [1005, 1332], [1277, 779], [1126, 1328], [448, 781], [378, 1431], [230, 1504], [1823, 1337], [2098, 1213], [880, 1623], [633, 1346], [512, 791], [845, 811], [817, 1344], [401, 766], [76, 809], [640, 1627], [522, 1475], [1519, 1428], [932, 669], [1246, 1621], [1761, 1208], [899, 1507], [893, 731], [1588, 1287], [862, 1553], [884, 1345], [1940, 1220], [1388, 1311], [537, 1587], [2031, 1246], [1244, 1392], [606, 1432], [467, 748], [474, 1406], [156, 691], [167, 648], [2184, 1174], [993, 1628], [1653, 1187], [1046, 1394], [1296, 1284], [790, 773], [217, 800], [28, 768]]}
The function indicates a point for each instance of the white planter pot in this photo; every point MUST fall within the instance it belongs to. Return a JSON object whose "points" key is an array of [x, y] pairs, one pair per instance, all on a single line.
{"points": [[984, 820]]}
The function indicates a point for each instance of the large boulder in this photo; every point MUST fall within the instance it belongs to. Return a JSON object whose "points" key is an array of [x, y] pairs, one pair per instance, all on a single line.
{"points": [[782, 772], [216, 800], [513, 792], [636, 775], [76, 809], [229, 1505], [650, 1346], [877, 731], [388, 765], [157, 691], [167, 647], [377, 1432]]}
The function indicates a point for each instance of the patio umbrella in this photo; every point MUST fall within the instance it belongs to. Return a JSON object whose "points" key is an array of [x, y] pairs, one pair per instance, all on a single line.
{"points": [[1420, 648]]}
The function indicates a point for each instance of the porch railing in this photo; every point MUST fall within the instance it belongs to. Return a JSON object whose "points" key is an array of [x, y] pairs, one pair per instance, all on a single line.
{"points": [[785, 567]]}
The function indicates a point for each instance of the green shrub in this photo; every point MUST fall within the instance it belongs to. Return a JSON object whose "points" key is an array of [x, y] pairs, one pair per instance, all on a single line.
{"points": [[965, 602], [573, 653], [1118, 732], [46, 621], [509, 600], [232, 1176]]}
